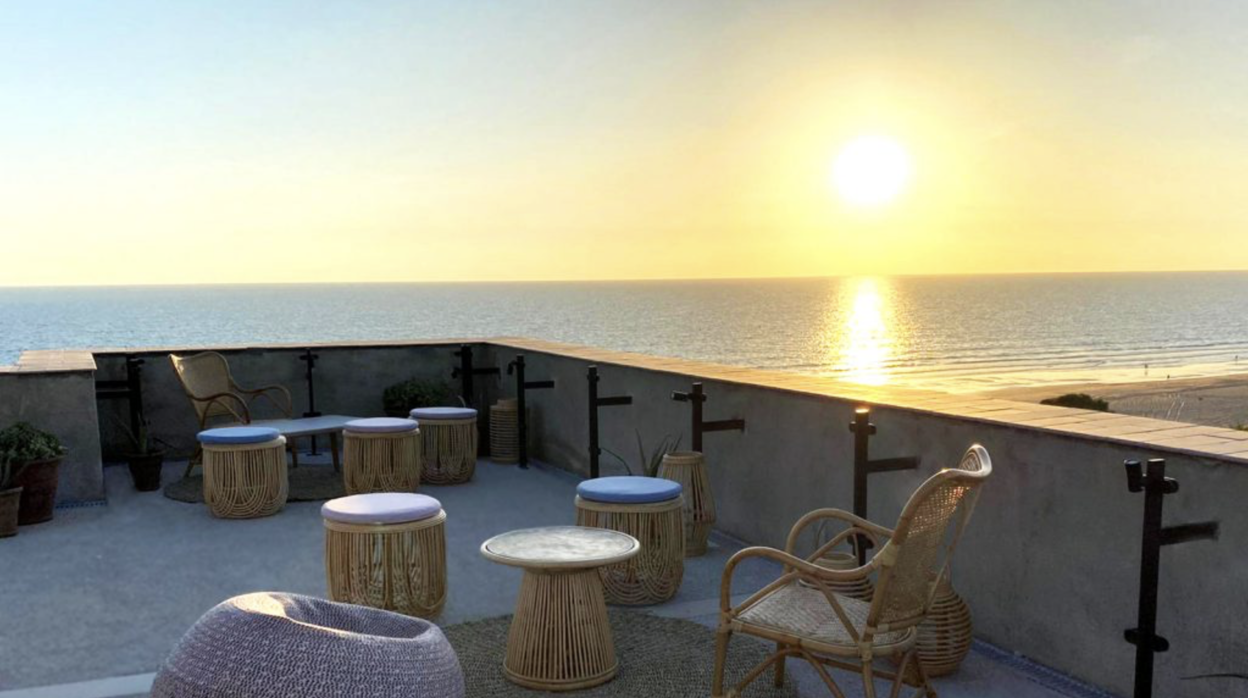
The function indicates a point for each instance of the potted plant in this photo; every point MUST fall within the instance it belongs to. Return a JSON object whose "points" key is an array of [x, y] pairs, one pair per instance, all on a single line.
{"points": [[146, 459], [400, 399], [647, 463], [10, 498], [37, 455]]}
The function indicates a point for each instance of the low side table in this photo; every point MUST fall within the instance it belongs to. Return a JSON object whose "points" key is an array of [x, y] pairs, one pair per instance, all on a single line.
{"points": [[560, 637]]}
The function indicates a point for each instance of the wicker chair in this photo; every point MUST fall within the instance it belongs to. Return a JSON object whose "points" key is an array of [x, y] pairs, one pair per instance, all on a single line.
{"points": [[811, 621], [214, 393]]}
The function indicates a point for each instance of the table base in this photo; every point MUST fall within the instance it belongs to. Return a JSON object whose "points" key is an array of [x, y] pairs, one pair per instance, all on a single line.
{"points": [[560, 637]]}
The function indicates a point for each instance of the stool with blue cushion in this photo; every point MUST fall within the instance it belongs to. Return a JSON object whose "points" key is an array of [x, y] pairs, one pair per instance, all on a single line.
{"points": [[244, 471], [381, 454], [387, 550], [448, 438], [650, 510]]}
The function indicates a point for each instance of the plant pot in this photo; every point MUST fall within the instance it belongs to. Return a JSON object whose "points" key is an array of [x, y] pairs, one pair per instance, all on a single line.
{"points": [[145, 470], [10, 502], [38, 481]]}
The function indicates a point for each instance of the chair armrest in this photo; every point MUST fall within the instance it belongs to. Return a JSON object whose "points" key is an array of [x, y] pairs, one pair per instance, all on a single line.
{"points": [[791, 563], [242, 414], [287, 405], [857, 524]]}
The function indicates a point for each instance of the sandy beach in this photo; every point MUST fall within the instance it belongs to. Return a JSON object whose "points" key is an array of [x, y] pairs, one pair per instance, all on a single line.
{"points": [[1219, 401]]}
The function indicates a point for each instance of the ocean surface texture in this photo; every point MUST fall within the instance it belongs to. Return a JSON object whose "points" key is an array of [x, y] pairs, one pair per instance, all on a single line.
{"points": [[958, 333]]}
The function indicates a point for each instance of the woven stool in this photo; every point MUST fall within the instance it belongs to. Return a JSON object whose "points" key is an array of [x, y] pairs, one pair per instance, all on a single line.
{"points": [[387, 550], [689, 469], [448, 444], [381, 455], [504, 432], [649, 509], [244, 471]]}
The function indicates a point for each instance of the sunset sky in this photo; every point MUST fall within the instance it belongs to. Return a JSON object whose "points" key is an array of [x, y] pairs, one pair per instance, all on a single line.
{"points": [[198, 142]]}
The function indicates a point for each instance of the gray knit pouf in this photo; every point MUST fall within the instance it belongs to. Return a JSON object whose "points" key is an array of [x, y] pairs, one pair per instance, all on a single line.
{"points": [[266, 645]]}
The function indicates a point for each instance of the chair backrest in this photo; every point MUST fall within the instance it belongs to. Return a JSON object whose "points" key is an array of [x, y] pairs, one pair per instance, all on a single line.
{"points": [[918, 555], [204, 375]]}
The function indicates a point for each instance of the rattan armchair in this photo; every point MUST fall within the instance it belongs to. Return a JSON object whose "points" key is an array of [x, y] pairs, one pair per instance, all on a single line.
{"points": [[810, 620], [213, 392]]}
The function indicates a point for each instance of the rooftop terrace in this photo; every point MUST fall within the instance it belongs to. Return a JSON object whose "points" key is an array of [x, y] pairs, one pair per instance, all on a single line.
{"points": [[105, 591], [1050, 564]]}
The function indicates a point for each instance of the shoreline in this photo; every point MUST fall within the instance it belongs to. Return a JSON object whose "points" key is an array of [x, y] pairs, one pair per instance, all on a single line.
{"points": [[1220, 401]]}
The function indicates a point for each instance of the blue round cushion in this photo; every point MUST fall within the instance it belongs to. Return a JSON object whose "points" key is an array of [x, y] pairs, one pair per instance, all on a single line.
{"points": [[627, 489], [379, 425], [237, 435], [434, 414], [381, 508]]}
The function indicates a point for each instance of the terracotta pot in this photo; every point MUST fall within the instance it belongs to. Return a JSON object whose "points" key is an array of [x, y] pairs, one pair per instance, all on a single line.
{"points": [[145, 470], [10, 501], [38, 481]]}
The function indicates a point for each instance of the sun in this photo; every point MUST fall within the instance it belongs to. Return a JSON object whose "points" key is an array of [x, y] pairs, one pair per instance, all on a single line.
{"points": [[871, 171]]}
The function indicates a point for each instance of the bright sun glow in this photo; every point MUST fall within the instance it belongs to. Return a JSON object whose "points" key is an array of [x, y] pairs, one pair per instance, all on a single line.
{"points": [[871, 170]]}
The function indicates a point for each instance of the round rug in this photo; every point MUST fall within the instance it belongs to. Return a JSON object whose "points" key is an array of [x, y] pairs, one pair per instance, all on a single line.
{"points": [[308, 483], [659, 657]]}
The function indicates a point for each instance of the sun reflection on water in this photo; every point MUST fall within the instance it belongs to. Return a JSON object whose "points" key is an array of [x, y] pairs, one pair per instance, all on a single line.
{"points": [[865, 343]]}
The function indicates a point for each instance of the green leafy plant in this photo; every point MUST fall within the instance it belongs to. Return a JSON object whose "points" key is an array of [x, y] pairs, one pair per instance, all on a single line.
{"points": [[401, 398], [648, 461], [141, 441], [1081, 401], [23, 443]]}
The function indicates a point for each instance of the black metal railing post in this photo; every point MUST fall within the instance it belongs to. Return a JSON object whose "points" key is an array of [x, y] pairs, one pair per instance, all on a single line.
{"points": [[594, 403], [1155, 486], [522, 414], [309, 358], [863, 430], [134, 391], [696, 397], [465, 373]]}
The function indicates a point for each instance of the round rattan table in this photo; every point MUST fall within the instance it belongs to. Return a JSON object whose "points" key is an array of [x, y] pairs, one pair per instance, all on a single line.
{"points": [[560, 638]]}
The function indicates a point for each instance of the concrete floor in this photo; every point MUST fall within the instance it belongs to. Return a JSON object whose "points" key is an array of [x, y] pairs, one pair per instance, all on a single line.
{"points": [[93, 600]]}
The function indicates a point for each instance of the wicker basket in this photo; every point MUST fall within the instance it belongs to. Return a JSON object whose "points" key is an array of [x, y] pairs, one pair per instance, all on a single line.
{"points": [[504, 432], [945, 635], [689, 469]]}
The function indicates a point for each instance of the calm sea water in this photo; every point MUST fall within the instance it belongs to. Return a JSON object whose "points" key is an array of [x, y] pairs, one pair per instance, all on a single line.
{"points": [[960, 333]]}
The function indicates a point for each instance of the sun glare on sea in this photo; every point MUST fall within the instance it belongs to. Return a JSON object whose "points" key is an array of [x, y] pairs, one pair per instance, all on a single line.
{"points": [[865, 341], [871, 171]]}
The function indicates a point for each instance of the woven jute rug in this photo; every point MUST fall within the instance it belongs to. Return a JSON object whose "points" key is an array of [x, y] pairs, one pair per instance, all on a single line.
{"points": [[659, 657], [308, 483]]}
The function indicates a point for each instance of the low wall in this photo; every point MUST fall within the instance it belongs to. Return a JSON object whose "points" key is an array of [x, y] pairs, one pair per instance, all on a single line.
{"points": [[55, 391], [1050, 565]]}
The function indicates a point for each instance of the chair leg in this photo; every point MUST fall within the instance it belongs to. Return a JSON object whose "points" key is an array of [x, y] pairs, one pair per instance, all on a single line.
{"points": [[294, 453], [779, 681], [333, 450], [724, 634], [868, 679]]}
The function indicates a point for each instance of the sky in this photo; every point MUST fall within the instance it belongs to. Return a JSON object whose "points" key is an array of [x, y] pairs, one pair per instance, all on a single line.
{"points": [[246, 142]]}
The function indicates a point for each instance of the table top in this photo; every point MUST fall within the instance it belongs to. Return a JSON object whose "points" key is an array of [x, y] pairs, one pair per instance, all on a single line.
{"points": [[307, 426], [553, 547]]}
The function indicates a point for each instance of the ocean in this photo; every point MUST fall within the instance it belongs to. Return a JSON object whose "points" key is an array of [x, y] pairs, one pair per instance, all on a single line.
{"points": [[958, 333]]}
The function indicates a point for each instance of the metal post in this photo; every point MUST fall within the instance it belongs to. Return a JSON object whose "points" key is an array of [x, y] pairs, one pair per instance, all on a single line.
{"points": [[465, 372], [696, 397], [522, 415], [134, 391], [1155, 486], [863, 430], [594, 450], [310, 359], [595, 401], [699, 426]]}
